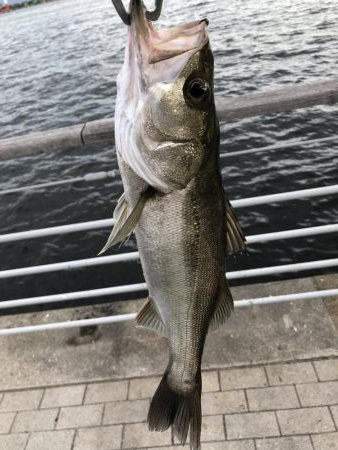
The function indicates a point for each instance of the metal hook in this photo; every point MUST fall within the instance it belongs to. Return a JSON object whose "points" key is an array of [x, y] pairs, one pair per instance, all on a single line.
{"points": [[154, 15], [126, 17], [120, 9]]}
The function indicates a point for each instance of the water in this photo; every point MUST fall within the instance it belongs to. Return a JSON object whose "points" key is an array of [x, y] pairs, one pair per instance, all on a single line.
{"points": [[59, 63]]}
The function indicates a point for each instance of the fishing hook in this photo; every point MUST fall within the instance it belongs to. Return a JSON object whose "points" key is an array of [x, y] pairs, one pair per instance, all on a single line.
{"points": [[126, 17], [154, 15], [121, 11]]}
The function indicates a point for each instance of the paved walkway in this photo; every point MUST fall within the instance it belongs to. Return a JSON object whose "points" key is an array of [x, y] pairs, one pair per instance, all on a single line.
{"points": [[265, 407]]}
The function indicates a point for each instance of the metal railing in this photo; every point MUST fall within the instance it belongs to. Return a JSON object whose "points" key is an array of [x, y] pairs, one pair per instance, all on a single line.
{"points": [[140, 287], [103, 131], [132, 256], [229, 108], [98, 224], [129, 317], [98, 176]]}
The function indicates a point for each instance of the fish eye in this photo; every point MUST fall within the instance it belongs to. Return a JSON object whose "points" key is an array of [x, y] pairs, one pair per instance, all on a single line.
{"points": [[196, 91]]}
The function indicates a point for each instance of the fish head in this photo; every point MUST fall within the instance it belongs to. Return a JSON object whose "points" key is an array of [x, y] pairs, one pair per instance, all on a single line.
{"points": [[165, 93]]}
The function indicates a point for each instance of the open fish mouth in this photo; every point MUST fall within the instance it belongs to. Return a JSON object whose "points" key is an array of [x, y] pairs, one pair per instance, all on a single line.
{"points": [[155, 46]]}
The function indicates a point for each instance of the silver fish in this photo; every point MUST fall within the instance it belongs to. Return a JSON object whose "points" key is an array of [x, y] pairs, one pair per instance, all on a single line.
{"points": [[167, 141]]}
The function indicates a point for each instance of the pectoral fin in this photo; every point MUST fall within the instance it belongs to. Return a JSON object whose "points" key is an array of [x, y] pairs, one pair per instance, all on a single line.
{"points": [[148, 318], [126, 218], [236, 241], [122, 206], [224, 306]]}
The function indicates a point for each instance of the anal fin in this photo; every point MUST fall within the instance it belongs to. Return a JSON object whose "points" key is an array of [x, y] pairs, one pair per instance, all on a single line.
{"points": [[148, 318], [235, 240], [224, 306], [126, 218]]}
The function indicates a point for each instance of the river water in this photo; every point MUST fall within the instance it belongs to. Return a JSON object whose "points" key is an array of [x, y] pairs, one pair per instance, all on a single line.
{"points": [[59, 63]]}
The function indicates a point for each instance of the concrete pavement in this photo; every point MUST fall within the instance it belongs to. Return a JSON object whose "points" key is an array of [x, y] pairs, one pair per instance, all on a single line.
{"points": [[284, 406]]}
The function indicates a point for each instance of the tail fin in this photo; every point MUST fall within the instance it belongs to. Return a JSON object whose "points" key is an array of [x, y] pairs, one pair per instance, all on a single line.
{"points": [[179, 410]]}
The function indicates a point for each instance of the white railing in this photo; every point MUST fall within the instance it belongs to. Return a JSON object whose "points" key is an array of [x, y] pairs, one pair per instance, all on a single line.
{"points": [[228, 108], [98, 176], [140, 287], [97, 224], [103, 131], [124, 257], [89, 178], [281, 146], [129, 317]]}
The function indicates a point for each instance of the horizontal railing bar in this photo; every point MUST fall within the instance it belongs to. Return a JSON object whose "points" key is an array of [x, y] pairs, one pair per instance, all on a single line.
{"points": [[290, 234], [285, 268], [97, 224], [92, 293], [235, 275], [286, 298], [129, 317], [89, 177], [71, 265], [96, 176], [58, 230], [285, 196], [280, 145], [280, 100], [230, 108], [46, 141]]}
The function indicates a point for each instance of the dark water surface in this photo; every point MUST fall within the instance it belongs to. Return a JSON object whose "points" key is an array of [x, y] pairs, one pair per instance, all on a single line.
{"points": [[58, 66]]}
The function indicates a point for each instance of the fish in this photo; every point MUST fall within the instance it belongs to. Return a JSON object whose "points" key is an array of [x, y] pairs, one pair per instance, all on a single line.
{"points": [[167, 141]]}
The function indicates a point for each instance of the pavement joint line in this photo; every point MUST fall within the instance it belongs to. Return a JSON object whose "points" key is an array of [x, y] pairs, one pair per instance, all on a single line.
{"points": [[297, 394], [246, 399], [271, 410], [123, 435], [12, 424], [74, 438], [28, 437], [311, 441], [266, 374], [41, 399], [331, 414], [315, 370], [210, 369], [219, 381], [128, 390], [278, 424], [299, 399], [84, 394], [204, 415], [103, 413], [224, 428], [57, 418]]}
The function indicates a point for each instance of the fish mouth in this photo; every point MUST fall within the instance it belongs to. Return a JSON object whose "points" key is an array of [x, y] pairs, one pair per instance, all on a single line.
{"points": [[155, 46]]}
